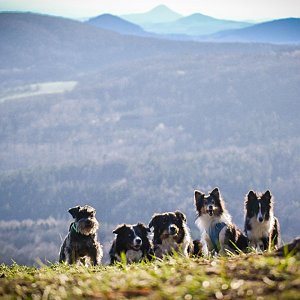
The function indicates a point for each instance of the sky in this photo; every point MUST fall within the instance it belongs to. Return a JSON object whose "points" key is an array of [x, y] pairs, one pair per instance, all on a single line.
{"points": [[225, 9]]}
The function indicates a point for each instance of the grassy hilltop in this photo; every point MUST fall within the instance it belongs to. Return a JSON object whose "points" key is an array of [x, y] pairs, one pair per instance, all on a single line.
{"points": [[248, 276]]}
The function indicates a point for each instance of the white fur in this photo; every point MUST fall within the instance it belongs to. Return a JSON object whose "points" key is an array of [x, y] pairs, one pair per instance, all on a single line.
{"points": [[136, 237], [259, 230], [259, 215], [134, 256], [205, 222], [169, 244], [131, 256]]}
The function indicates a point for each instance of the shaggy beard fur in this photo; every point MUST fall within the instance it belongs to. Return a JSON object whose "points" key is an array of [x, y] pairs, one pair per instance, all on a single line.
{"points": [[89, 227], [212, 215], [261, 226]]}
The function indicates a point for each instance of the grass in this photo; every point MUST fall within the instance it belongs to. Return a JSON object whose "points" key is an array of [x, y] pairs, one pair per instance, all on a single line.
{"points": [[249, 276]]}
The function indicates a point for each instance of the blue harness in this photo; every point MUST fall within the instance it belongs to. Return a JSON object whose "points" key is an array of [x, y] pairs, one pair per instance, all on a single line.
{"points": [[213, 233]]}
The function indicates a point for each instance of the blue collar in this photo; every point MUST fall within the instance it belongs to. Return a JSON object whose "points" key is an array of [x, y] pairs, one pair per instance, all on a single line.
{"points": [[213, 233]]}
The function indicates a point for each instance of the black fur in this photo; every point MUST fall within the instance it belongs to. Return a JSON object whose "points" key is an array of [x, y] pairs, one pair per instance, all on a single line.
{"points": [[125, 241], [81, 242], [261, 226], [170, 234]]}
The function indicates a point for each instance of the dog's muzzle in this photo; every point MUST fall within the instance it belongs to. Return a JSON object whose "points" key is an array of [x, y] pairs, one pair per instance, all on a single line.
{"points": [[210, 210], [137, 243], [173, 230]]}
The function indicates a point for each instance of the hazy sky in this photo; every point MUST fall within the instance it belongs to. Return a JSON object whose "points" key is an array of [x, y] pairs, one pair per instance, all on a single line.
{"points": [[229, 9]]}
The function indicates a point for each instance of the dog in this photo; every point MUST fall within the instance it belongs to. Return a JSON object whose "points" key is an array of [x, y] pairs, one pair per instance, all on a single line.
{"points": [[219, 234], [133, 242], [261, 226], [171, 234], [81, 245]]}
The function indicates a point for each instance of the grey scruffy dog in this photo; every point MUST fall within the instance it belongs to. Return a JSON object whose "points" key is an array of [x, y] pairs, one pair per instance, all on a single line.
{"points": [[81, 245]]}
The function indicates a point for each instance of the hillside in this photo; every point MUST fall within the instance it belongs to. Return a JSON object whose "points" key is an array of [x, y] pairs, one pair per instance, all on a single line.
{"points": [[249, 277], [133, 125], [55, 48], [277, 31], [113, 23]]}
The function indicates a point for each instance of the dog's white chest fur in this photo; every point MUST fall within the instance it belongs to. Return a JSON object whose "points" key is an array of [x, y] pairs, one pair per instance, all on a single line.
{"points": [[205, 223], [168, 245], [259, 230], [134, 256]]}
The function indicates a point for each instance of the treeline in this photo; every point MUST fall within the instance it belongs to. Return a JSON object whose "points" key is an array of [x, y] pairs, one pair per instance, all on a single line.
{"points": [[36, 242], [132, 189]]}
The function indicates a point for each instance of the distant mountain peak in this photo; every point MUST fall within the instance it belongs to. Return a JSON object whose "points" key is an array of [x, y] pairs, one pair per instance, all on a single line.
{"points": [[162, 8], [117, 24], [159, 14]]}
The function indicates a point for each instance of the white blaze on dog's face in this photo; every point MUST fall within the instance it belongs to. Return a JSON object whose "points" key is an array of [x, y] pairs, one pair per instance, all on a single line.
{"points": [[137, 241], [210, 204], [170, 233], [168, 225], [260, 217], [259, 206], [131, 235]]}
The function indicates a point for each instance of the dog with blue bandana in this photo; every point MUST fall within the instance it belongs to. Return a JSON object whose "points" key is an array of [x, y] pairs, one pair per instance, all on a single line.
{"points": [[219, 234]]}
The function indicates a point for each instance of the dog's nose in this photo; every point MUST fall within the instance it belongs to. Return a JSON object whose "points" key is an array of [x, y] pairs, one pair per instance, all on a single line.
{"points": [[88, 222], [210, 207], [260, 219], [138, 240]]}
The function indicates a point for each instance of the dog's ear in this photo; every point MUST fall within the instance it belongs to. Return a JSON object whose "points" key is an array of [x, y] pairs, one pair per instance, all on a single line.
{"points": [[74, 211], [119, 229], [198, 196], [180, 215], [154, 221], [267, 195], [251, 196], [143, 227], [215, 193]]}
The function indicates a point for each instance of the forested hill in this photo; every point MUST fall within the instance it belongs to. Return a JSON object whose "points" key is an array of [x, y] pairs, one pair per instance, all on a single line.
{"points": [[133, 125]]}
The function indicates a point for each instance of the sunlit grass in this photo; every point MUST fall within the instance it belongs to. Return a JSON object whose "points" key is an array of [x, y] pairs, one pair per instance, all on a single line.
{"points": [[248, 276]]}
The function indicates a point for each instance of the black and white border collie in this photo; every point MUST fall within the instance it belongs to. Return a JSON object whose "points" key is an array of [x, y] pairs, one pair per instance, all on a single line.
{"points": [[219, 234], [171, 234], [132, 241], [261, 227]]}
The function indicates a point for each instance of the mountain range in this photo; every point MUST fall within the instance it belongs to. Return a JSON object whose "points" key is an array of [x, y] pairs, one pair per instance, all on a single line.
{"points": [[161, 22], [194, 25], [277, 31], [159, 14]]}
